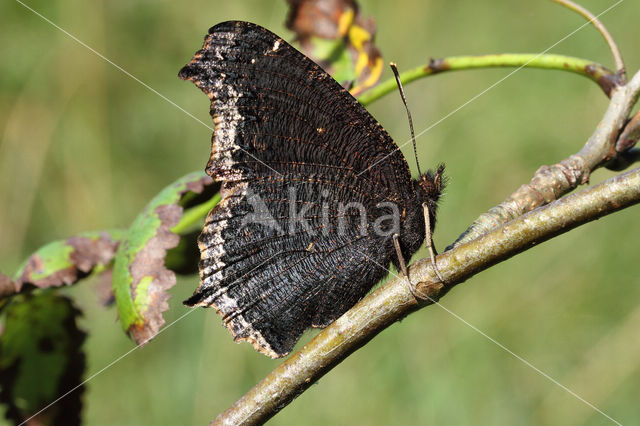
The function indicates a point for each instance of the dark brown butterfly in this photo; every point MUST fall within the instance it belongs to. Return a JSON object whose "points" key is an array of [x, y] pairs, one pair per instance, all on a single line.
{"points": [[314, 190]]}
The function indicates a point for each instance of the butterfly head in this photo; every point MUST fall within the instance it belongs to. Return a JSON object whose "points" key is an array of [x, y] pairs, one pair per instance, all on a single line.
{"points": [[429, 188]]}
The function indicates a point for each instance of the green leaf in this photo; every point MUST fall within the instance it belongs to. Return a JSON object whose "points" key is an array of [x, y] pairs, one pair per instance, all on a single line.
{"points": [[335, 53], [67, 261], [41, 359], [140, 277]]}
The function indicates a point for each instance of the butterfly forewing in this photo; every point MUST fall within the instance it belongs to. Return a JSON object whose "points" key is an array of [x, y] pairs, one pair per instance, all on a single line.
{"points": [[283, 251]]}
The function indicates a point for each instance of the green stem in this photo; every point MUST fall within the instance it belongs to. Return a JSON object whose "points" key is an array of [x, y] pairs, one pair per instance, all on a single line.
{"points": [[191, 217], [604, 77]]}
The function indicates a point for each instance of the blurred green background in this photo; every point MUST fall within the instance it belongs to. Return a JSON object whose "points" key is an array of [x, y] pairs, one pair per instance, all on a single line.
{"points": [[83, 147]]}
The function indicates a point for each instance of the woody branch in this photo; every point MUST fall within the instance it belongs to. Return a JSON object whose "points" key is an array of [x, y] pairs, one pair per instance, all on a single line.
{"points": [[604, 147], [394, 300], [551, 182]]}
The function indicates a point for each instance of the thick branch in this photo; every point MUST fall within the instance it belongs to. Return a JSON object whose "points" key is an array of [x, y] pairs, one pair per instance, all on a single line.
{"points": [[604, 77], [394, 300], [550, 183]]}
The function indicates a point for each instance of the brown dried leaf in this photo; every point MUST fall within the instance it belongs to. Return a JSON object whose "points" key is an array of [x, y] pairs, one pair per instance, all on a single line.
{"points": [[352, 59]]}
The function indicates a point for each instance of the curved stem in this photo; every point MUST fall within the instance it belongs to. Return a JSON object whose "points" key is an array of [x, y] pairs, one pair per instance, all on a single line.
{"points": [[551, 182], [604, 77], [191, 217], [394, 300], [615, 51]]}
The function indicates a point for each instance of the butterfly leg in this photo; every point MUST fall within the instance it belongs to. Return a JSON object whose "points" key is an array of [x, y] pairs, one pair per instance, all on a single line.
{"points": [[403, 264], [429, 241]]}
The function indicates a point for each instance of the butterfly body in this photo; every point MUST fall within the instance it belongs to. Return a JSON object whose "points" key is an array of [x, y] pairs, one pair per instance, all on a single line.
{"points": [[313, 191]]}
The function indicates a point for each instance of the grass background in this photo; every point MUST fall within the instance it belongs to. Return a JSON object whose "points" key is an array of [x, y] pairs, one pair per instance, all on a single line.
{"points": [[83, 146]]}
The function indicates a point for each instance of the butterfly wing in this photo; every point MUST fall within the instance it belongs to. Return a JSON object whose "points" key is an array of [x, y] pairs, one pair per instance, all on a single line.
{"points": [[284, 249]]}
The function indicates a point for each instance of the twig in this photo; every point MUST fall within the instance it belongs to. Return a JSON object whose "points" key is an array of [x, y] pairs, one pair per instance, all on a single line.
{"points": [[394, 300], [615, 51], [629, 135], [550, 183], [624, 159], [604, 77]]}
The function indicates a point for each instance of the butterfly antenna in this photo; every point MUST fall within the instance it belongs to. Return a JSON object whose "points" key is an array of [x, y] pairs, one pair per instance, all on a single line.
{"points": [[394, 68]]}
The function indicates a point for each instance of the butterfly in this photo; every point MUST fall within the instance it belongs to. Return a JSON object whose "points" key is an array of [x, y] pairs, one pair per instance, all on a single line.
{"points": [[316, 198]]}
